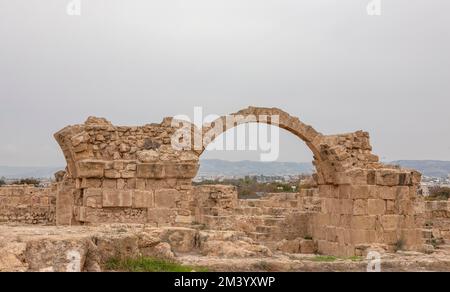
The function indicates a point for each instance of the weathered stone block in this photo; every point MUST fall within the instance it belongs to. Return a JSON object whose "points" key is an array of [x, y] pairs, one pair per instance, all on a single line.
{"points": [[166, 198], [161, 216], [140, 184], [387, 177], [406, 207], [117, 198], [307, 246], [90, 183], [90, 169], [385, 193], [360, 236], [184, 219], [109, 183], [390, 221], [360, 207], [363, 222], [143, 199], [359, 192], [150, 170], [112, 173], [127, 174], [346, 206], [376, 207]]}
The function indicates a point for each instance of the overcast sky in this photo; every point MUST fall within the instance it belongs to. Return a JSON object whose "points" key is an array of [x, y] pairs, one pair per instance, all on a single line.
{"points": [[136, 61]]}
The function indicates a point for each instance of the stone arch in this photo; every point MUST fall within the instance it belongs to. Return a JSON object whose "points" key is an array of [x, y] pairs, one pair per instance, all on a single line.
{"points": [[271, 116], [115, 171]]}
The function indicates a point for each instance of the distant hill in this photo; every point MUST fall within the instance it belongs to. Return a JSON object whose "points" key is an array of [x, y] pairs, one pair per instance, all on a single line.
{"points": [[14, 172], [433, 168], [212, 167]]}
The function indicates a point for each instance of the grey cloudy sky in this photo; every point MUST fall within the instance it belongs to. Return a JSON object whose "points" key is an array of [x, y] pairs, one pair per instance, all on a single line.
{"points": [[137, 61]]}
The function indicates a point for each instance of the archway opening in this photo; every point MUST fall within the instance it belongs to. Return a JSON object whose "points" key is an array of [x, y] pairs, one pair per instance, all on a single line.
{"points": [[259, 159]]}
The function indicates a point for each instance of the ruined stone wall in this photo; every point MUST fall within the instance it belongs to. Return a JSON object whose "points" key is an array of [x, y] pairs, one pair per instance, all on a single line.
{"points": [[437, 222], [378, 210], [28, 204], [135, 174], [126, 174]]}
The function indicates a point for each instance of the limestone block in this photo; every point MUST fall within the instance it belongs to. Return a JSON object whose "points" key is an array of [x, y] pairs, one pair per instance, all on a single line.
{"points": [[359, 192], [376, 207], [90, 183], [331, 233], [91, 169], [150, 170], [161, 216], [109, 183], [112, 173], [390, 236], [391, 207], [343, 235], [385, 193], [289, 246], [184, 219], [359, 236], [140, 184], [307, 246], [328, 191], [143, 199], [118, 165], [148, 156], [117, 198], [180, 170], [121, 184], [390, 221], [166, 198], [127, 174], [346, 206], [363, 222], [387, 177], [360, 207], [130, 183], [406, 207]]}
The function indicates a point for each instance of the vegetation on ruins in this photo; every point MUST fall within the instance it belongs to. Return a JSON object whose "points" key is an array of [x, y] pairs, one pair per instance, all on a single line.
{"points": [[146, 264], [27, 181], [399, 245], [249, 186], [439, 193], [325, 258]]}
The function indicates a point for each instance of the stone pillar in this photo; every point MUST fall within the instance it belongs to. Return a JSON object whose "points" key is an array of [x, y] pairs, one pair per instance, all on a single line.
{"points": [[378, 212]]}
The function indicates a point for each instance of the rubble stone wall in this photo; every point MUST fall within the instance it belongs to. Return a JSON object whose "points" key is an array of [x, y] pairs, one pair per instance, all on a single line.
{"points": [[28, 204]]}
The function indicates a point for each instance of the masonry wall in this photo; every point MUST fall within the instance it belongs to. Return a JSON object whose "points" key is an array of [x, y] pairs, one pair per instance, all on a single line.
{"points": [[28, 204], [137, 175], [380, 208], [437, 222]]}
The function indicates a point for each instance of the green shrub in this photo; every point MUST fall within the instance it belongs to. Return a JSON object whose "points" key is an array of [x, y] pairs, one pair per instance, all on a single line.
{"points": [[323, 258], [439, 193], [146, 264], [399, 245], [27, 181]]}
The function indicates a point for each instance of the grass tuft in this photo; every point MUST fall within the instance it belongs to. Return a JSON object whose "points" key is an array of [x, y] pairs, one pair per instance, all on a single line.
{"points": [[323, 258], [146, 264]]}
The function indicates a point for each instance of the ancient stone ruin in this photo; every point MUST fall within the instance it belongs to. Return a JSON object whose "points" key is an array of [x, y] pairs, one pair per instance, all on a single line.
{"points": [[136, 175]]}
